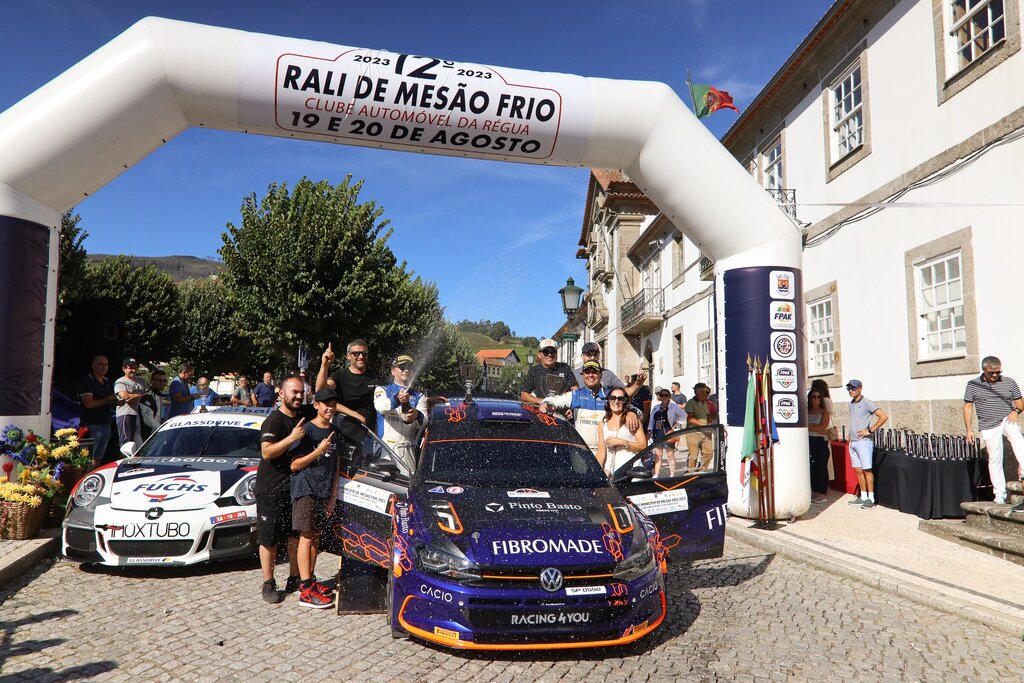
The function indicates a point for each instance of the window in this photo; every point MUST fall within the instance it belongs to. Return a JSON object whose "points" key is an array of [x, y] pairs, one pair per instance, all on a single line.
{"points": [[705, 359], [678, 260], [677, 351], [975, 26], [942, 318], [941, 325], [820, 338], [972, 37], [847, 117], [772, 164]]}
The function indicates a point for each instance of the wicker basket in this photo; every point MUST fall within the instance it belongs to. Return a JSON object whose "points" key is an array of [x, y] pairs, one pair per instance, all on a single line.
{"points": [[20, 521], [54, 512], [69, 476]]}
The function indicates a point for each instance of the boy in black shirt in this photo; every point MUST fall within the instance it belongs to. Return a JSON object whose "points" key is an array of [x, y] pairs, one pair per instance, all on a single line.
{"points": [[314, 490], [281, 433]]}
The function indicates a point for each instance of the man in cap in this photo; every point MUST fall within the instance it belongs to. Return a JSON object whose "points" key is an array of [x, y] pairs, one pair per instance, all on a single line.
{"points": [[548, 377], [862, 448], [401, 411], [666, 416], [700, 411], [314, 493], [587, 404], [609, 380], [129, 389]]}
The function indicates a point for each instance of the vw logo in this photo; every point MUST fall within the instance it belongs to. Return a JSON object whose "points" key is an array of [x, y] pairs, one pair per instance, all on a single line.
{"points": [[551, 579], [154, 513], [494, 507]]}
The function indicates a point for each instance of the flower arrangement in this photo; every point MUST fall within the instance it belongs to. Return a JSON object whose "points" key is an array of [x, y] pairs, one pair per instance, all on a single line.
{"points": [[30, 494]]}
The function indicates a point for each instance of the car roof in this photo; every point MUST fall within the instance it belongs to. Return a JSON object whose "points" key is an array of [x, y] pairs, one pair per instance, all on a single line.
{"points": [[485, 418]]}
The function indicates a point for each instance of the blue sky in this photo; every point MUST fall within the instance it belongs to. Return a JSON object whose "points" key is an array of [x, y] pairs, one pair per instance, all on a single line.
{"points": [[499, 239]]}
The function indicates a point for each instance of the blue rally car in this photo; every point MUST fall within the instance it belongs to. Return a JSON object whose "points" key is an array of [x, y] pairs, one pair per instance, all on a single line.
{"points": [[507, 534]]}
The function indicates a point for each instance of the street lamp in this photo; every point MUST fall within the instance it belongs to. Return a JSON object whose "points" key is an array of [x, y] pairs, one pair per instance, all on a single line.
{"points": [[571, 297], [529, 358]]}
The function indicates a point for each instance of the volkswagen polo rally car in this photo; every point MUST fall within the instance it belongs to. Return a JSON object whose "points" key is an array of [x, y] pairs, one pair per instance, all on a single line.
{"points": [[185, 497], [506, 533]]}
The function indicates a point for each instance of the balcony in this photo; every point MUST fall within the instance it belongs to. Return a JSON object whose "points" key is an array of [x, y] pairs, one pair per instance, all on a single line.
{"points": [[785, 199], [707, 269], [643, 313]]}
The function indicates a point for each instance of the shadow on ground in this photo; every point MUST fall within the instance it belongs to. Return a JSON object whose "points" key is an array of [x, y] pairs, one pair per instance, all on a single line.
{"points": [[9, 650]]}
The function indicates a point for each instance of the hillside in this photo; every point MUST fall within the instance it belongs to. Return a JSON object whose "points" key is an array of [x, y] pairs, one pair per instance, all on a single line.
{"points": [[179, 268], [479, 341]]}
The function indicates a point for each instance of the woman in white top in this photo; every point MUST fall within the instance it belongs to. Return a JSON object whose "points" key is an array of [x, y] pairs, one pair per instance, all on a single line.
{"points": [[616, 445], [818, 417]]}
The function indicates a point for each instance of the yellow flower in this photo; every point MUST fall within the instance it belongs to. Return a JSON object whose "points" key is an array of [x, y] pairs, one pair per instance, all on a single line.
{"points": [[35, 501], [42, 450], [60, 452], [85, 452], [73, 442], [60, 433]]}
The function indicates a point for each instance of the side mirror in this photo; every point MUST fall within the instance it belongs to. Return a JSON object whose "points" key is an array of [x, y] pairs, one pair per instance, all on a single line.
{"points": [[635, 473], [128, 450], [383, 467]]}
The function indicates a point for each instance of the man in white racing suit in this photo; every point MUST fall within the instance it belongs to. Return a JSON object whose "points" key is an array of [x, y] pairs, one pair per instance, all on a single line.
{"points": [[401, 411], [587, 404]]}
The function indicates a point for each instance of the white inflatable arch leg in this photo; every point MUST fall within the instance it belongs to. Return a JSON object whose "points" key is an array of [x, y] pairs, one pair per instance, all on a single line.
{"points": [[84, 128]]}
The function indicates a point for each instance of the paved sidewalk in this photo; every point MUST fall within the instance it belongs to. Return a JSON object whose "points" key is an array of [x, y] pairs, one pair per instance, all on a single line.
{"points": [[17, 557], [883, 548]]}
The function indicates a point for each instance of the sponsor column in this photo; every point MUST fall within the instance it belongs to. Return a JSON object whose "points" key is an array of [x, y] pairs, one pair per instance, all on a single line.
{"points": [[783, 352]]}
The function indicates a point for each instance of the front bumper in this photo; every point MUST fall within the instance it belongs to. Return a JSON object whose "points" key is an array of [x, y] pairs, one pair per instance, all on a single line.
{"points": [[206, 541], [474, 618]]}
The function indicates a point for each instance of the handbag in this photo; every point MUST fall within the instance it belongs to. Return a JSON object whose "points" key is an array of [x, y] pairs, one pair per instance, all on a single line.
{"points": [[833, 430]]}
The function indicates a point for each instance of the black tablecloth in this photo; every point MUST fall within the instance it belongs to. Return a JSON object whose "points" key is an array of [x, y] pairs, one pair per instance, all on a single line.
{"points": [[930, 489]]}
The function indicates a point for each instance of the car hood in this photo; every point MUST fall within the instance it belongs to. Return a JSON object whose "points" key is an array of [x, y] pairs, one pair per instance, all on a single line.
{"points": [[529, 527], [143, 483]]}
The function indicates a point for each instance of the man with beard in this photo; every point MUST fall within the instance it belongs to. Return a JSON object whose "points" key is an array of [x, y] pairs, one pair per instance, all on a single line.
{"points": [[282, 432]]}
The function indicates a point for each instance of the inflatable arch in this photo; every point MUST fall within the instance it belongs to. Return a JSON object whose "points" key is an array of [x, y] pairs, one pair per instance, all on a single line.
{"points": [[73, 135]]}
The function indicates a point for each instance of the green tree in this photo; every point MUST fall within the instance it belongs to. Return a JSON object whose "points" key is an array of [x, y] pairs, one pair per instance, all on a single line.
{"points": [[442, 350], [530, 342], [512, 377], [311, 266], [150, 298], [209, 337], [73, 259]]}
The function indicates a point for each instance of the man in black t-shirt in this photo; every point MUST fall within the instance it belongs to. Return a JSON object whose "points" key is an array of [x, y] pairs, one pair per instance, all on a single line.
{"points": [[549, 377], [354, 389], [281, 433], [96, 392]]}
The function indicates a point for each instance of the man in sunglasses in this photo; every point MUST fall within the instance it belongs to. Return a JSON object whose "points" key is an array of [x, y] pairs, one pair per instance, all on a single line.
{"points": [[548, 377], [591, 352], [401, 410], [998, 402], [354, 389], [862, 448], [587, 404]]}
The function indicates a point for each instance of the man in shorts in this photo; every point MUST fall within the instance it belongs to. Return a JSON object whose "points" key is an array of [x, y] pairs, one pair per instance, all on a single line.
{"points": [[281, 433], [314, 490], [862, 448]]}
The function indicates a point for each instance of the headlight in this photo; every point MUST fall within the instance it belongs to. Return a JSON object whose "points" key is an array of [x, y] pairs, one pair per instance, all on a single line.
{"points": [[244, 493], [88, 490], [439, 562], [636, 565]]}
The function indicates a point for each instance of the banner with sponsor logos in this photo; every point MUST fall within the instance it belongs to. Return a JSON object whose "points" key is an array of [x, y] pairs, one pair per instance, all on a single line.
{"points": [[764, 317], [394, 100]]}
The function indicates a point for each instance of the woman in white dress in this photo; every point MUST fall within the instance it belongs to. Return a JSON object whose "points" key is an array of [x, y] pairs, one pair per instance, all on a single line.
{"points": [[616, 445]]}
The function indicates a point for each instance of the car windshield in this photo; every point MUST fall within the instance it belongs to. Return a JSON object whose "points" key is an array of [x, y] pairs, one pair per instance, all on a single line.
{"points": [[211, 441], [509, 463]]}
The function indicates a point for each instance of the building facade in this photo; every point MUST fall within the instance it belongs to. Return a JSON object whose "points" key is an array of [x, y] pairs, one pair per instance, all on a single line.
{"points": [[894, 136]]}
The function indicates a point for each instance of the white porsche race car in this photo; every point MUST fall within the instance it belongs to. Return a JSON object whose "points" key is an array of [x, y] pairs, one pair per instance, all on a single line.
{"points": [[185, 497]]}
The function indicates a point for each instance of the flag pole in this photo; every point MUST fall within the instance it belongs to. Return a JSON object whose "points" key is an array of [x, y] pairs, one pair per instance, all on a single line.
{"points": [[771, 445], [693, 99], [759, 431]]}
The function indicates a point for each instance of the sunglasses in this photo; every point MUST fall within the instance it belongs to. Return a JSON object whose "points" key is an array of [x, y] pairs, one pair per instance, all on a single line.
{"points": [[358, 354], [616, 398], [851, 388], [664, 395], [404, 366], [547, 352]]}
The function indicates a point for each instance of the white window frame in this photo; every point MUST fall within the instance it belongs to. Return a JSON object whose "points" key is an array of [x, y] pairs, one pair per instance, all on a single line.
{"points": [[947, 296], [979, 40], [821, 338], [772, 163], [705, 359], [846, 112]]}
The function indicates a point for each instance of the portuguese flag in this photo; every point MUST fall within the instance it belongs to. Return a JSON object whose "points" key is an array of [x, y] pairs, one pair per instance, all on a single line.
{"points": [[707, 100]]}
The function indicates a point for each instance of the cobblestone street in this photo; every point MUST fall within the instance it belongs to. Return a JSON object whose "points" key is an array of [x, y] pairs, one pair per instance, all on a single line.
{"points": [[746, 617]]}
